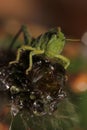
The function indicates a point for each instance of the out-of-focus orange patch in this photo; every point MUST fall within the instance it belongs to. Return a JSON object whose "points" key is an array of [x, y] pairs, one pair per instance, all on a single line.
{"points": [[79, 83], [3, 127], [4, 112], [72, 49]]}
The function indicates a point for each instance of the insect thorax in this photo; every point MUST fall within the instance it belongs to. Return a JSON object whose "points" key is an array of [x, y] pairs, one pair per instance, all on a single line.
{"points": [[52, 43], [54, 47]]}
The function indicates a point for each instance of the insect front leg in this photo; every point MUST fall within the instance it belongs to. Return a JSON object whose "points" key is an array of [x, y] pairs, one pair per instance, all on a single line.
{"points": [[64, 61], [19, 53], [32, 53]]}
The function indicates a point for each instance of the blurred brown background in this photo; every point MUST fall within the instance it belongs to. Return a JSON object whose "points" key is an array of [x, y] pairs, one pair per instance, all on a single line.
{"points": [[43, 14]]}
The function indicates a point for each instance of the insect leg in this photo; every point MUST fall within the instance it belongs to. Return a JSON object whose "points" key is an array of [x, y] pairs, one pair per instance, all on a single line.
{"points": [[27, 37], [15, 38], [19, 53], [32, 53], [65, 61]]}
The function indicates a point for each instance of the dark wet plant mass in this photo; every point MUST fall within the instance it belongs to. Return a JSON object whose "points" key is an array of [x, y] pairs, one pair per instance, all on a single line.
{"points": [[40, 91], [40, 98]]}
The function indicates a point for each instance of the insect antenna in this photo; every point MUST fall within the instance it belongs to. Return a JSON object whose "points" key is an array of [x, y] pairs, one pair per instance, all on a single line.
{"points": [[73, 40], [59, 29]]}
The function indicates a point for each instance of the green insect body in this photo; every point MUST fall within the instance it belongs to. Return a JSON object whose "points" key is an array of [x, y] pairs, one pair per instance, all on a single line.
{"points": [[53, 45], [50, 45]]}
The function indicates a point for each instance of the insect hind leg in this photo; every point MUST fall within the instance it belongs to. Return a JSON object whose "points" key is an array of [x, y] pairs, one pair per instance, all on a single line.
{"points": [[27, 37]]}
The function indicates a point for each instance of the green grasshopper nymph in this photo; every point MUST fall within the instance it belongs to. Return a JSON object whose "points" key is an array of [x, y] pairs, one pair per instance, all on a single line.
{"points": [[50, 45]]}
